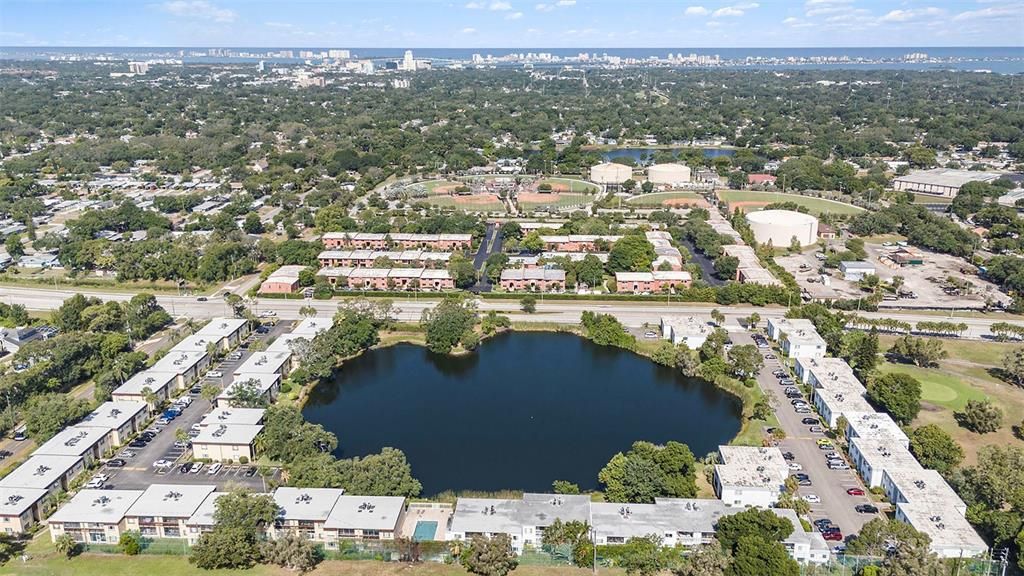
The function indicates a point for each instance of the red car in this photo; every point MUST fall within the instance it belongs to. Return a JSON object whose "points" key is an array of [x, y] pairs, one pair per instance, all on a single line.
{"points": [[855, 492], [835, 536]]}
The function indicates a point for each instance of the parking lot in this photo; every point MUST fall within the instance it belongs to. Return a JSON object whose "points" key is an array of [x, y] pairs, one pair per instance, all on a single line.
{"points": [[825, 488], [140, 470]]}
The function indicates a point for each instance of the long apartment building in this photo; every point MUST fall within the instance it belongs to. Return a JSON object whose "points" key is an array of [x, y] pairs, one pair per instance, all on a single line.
{"points": [[370, 258], [424, 279], [388, 241], [749, 270], [578, 242], [797, 337]]}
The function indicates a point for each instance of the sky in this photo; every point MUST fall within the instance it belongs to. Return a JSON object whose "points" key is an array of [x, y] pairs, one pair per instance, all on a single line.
{"points": [[512, 23]]}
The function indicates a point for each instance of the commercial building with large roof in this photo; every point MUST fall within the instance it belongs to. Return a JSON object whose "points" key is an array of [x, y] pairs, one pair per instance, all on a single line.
{"points": [[780, 227], [942, 182], [669, 174]]}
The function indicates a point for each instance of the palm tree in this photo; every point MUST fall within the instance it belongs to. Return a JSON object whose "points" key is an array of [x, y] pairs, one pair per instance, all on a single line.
{"points": [[149, 396], [307, 312]]}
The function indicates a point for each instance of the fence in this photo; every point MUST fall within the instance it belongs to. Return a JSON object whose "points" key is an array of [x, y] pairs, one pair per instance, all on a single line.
{"points": [[155, 546]]}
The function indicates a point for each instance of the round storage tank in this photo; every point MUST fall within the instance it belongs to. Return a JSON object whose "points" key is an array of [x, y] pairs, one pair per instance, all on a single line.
{"points": [[610, 173], [780, 226], [668, 174]]}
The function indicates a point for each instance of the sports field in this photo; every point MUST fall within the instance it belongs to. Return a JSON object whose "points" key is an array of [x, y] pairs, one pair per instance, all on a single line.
{"points": [[472, 203], [668, 199], [570, 185], [440, 186], [534, 201], [750, 201]]}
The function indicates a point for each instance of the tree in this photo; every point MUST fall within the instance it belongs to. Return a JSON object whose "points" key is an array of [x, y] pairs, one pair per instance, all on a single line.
{"points": [[14, 247], [209, 392], [288, 437], [752, 522], [911, 559], [307, 312], [860, 350], [876, 537], [528, 303], [631, 253], [66, 546], [753, 320], [629, 185], [447, 323], [647, 187], [745, 361], [1013, 366], [717, 317], [489, 556], [462, 271], [564, 487], [226, 548], [980, 416], [705, 560], [934, 448], [648, 471], [292, 552], [726, 266], [757, 555], [47, 414], [898, 394], [590, 271], [245, 510], [642, 555], [129, 543], [495, 264], [252, 224], [606, 330], [922, 352], [532, 242]]}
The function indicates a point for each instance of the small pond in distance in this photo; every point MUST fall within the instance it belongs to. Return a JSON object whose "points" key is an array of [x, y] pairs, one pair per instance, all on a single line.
{"points": [[524, 410]]}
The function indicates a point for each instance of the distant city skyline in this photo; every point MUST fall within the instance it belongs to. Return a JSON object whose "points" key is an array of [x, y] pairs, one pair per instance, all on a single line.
{"points": [[467, 24]]}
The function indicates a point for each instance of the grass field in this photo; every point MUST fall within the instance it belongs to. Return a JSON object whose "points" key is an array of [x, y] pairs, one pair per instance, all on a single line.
{"points": [[961, 377], [571, 185], [433, 185], [468, 203], [660, 198], [556, 200], [929, 199], [815, 205], [45, 562]]}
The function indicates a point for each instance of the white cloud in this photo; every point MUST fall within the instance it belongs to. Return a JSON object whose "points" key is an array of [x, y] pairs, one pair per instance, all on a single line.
{"points": [[810, 3], [733, 11], [475, 6], [469, 30], [499, 6], [696, 11], [514, 16], [1007, 11], [566, 3], [793, 22], [913, 14], [278, 25], [544, 7], [198, 9]]}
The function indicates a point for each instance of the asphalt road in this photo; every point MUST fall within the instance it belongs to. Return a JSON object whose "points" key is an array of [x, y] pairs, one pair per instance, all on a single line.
{"points": [[632, 314], [829, 485]]}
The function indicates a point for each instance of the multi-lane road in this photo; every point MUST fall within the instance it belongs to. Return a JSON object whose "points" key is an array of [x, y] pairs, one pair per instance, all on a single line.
{"points": [[632, 314]]}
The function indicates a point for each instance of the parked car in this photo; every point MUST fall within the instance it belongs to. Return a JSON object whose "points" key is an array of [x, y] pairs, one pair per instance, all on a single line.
{"points": [[116, 463], [197, 467], [214, 374], [810, 421], [795, 466], [803, 482], [180, 444], [201, 299], [137, 444], [268, 314], [250, 472], [803, 410], [650, 334], [95, 484], [769, 356], [855, 492], [184, 401], [195, 391], [866, 509], [185, 468], [194, 433], [824, 442], [163, 421], [214, 468], [838, 466], [812, 498], [833, 536], [822, 523], [162, 463], [788, 456], [816, 430]]}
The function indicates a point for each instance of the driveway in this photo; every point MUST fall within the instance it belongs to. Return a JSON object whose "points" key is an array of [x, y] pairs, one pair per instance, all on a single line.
{"points": [[829, 485]]}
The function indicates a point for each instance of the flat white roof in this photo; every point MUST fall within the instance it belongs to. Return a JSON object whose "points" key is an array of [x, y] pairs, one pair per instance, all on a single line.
{"points": [[310, 327], [15, 501], [947, 177], [97, 507], [221, 327], [550, 274], [752, 467], [283, 343], [883, 455], [946, 528], [155, 380], [262, 382], [196, 343], [179, 361], [228, 434], [834, 375], [504, 516], [611, 519], [313, 504], [366, 512], [875, 425], [233, 416], [40, 471], [686, 326], [112, 415], [264, 362], [856, 265], [170, 500], [203, 516], [73, 441]]}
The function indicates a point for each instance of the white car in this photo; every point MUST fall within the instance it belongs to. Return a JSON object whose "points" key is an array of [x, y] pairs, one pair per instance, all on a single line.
{"points": [[650, 334], [812, 498], [795, 466], [268, 314], [214, 374], [214, 468], [95, 483], [197, 467], [184, 401], [197, 426], [162, 463]]}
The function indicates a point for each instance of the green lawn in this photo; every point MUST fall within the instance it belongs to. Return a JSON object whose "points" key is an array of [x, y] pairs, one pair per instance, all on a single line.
{"points": [[559, 200], [433, 185], [575, 186], [658, 198], [937, 386], [815, 205], [467, 203]]}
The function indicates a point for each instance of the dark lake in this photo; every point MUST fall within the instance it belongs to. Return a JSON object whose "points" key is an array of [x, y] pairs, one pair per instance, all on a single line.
{"points": [[524, 410]]}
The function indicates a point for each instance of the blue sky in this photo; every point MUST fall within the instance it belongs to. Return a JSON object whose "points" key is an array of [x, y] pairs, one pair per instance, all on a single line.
{"points": [[512, 23]]}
